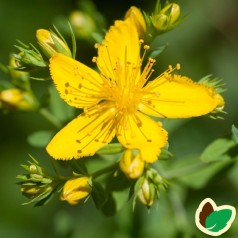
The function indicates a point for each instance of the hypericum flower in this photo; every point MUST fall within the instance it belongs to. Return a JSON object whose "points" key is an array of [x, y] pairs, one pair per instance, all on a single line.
{"points": [[131, 165], [116, 99], [75, 190], [138, 19]]}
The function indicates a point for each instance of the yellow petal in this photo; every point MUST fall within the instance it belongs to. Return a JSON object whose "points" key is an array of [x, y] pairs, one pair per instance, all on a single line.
{"points": [[175, 96], [120, 48], [84, 135], [78, 85], [137, 131]]}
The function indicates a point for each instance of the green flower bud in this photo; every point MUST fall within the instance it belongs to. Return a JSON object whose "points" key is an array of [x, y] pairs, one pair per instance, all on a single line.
{"points": [[146, 193], [28, 59], [32, 191], [167, 18], [50, 43], [19, 78]]}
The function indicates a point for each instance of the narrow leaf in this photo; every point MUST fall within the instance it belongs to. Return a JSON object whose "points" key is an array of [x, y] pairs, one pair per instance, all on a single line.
{"points": [[217, 149]]}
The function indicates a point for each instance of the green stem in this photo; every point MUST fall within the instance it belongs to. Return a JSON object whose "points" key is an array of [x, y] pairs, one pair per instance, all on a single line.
{"points": [[50, 117], [104, 171]]}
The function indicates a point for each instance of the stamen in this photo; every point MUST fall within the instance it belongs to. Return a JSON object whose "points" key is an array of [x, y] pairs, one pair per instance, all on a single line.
{"points": [[96, 45], [146, 47], [147, 71]]}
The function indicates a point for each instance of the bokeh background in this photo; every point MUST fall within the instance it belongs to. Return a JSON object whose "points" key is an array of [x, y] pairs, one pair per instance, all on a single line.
{"points": [[205, 43]]}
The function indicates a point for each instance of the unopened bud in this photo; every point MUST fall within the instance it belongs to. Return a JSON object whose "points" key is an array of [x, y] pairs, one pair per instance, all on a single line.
{"points": [[221, 101], [75, 190], [32, 191], [83, 24], [16, 99], [146, 194], [138, 19], [131, 165], [19, 78], [167, 18], [50, 43]]}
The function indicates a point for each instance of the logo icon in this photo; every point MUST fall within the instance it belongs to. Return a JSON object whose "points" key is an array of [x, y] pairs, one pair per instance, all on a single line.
{"points": [[214, 220]]}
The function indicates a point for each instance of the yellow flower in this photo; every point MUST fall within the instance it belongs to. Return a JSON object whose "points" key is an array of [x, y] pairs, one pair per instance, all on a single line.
{"points": [[75, 190], [137, 18], [116, 99], [131, 165]]}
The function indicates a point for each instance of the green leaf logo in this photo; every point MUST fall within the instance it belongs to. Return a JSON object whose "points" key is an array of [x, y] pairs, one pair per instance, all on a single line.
{"points": [[212, 219]]}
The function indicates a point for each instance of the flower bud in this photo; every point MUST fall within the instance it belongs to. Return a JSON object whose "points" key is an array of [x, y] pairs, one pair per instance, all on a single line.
{"points": [[76, 189], [28, 59], [19, 78], [167, 18], [32, 191], [138, 19], [146, 194], [50, 43], [221, 102], [83, 24], [16, 99], [131, 165]]}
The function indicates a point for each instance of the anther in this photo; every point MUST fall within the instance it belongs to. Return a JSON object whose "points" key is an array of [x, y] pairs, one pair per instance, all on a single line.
{"points": [[178, 67], [146, 47], [170, 68], [96, 45], [141, 41], [94, 59]]}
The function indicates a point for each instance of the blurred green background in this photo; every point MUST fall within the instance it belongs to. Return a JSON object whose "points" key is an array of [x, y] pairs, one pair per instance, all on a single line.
{"points": [[205, 43]]}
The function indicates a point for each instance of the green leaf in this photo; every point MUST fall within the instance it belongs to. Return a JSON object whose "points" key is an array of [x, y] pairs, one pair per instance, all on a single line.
{"points": [[40, 138], [217, 220], [157, 51], [198, 175], [118, 181], [110, 149], [109, 208], [234, 131], [216, 150], [99, 195]]}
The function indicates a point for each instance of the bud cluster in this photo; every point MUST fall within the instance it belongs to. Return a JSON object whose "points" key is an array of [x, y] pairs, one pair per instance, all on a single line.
{"points": [[36, 184], [166, 18]]}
